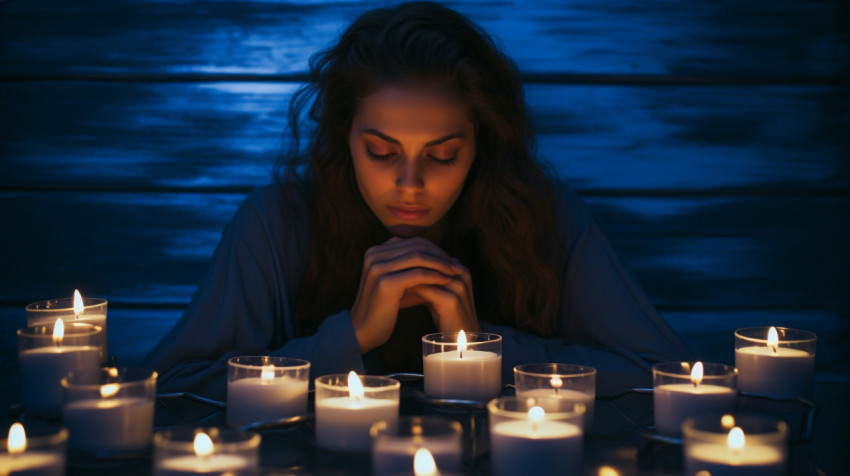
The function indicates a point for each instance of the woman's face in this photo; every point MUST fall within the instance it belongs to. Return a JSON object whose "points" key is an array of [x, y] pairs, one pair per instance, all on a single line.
{"points": [[412, 149]]}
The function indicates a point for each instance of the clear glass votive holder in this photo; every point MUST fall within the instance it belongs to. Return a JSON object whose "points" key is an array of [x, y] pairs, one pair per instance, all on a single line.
{"points": [[208, 451], [394, 444], [261, 388], [43, 453], [678, 395], [539, 435], [735, 445], [94, 312], [345, 414], [784, 369], [570, 381], [44, 361], [462, 372], [113, 417]]}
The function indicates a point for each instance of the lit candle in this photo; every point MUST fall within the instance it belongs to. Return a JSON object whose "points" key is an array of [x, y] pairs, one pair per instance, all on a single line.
{"points": [[680, 394], [467, 371], [76, 309], [538, 443], [45, 361], [575, 383], [424, 464], [114, 417], [344, 413], [21, 458], [265, 388], [770, 364], [729, 453], [208, 460], [394, 446]]}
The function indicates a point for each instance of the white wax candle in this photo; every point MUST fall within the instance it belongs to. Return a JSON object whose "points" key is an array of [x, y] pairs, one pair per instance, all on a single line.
{"points": [[783, 372], [32, 463], [396, 456], [220, 464], [112, 424], [43, 368], [254, 399], [677, 401], [539, 448], [342, 423], [570, 395], [720, 460], [477, 375]]}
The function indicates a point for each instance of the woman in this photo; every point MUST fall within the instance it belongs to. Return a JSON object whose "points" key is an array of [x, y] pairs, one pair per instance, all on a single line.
{"points": [[413, 204]]}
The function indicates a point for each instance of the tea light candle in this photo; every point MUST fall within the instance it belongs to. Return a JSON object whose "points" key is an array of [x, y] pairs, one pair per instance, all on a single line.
{"points": [[238, 455], [455, 368], [76, 309], [115, 417], [47, 355], [575, 383], [395, 446], [534, 441], [261, 388], [684, 390], [775, 361], [346, 408], [37, 456], [730, 451]]}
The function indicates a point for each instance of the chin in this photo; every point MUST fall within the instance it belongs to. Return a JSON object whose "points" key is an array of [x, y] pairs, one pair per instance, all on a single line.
{"points": [[407, 231]]}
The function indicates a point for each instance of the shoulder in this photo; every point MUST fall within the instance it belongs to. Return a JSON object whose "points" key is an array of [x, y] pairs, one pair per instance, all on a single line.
{"points": [[273, 208]]}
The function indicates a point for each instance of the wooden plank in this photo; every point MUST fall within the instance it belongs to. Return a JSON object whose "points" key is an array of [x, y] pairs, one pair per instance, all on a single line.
{"points": [[688, 253], [166, 136], [776, 40]]}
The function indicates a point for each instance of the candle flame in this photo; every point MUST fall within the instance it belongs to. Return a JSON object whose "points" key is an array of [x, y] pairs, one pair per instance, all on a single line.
{"points": [[355, 387], [697, 374], [17, 442], [461, 343], [736, 439], [727, 421], [267, 374], [536, 415], [113, 372], [78, 303], [203, 444], [772, 338], [608, 471], [556, 382], [58, 331], [424, 464], [109, 390]]}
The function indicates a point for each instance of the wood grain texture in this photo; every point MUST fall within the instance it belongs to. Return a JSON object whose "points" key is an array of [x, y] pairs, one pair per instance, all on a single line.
{"points": [[166, 136], [153, 248], [707, 38]]}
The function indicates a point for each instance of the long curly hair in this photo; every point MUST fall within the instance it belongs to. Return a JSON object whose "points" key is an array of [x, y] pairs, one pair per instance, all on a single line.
{"points": [[502, 224]]}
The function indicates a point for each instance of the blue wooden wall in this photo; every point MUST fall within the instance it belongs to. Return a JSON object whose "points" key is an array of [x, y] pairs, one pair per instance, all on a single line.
{"points": [[711, 137]]}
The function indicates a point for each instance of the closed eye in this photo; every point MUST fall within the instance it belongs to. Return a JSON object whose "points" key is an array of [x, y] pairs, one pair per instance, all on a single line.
{"points": [[379, 157]]}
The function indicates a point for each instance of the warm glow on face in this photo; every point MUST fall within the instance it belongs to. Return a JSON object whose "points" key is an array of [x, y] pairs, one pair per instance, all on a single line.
{"points": [[727, 422], [58, 331], [736, 439], [461, 343], [697, 374], [78, 303], [108, 390], [267, 374], [556, 382], [203, 444], [772, 338], [424, 464], [355, 387], [17, 441]]}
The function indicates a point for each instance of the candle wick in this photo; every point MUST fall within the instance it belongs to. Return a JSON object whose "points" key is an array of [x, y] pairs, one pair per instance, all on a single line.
{"points": [[556, 391], [774, 348], [534, 426], [460, 354], [695, 385]]}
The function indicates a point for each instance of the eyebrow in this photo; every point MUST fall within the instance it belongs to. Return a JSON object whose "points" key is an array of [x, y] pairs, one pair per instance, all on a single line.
{"points": [[387, 138]]}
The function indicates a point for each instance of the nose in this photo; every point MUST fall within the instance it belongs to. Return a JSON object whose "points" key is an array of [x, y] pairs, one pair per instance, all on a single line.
{"points": [[409, 178]]}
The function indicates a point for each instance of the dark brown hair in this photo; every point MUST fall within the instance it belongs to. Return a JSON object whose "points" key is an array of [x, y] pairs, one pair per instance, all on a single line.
{"points": [[502, 225]]}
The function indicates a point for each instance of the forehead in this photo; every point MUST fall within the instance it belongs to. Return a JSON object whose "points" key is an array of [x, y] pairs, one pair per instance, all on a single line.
{"points": [[403, 109]]}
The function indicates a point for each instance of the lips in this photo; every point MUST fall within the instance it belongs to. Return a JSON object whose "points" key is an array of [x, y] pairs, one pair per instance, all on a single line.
{"points": [[408, 212]]}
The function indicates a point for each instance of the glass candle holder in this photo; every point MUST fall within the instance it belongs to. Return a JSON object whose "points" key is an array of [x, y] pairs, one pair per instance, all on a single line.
{"points": [[735, 445], [346, 409], [686, 389], [33, 452], [394, 444], [45, 360], [573, 382], [261, 388], [540, 436], [207, 451], [114, 416], [462, 366], [781, 366], [43, 313]]}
